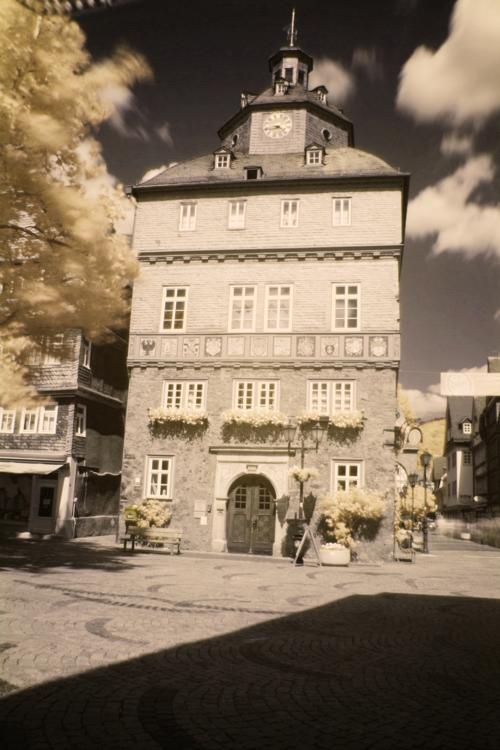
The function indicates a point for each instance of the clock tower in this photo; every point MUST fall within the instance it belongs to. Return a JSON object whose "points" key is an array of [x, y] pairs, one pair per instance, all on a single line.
{"points": [[288, 115]]}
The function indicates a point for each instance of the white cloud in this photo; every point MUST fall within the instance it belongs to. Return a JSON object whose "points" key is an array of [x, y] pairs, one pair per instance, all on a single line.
{"points": [[459, 224], [425, 404], [335, 77], [122, 102], [152, 173], [459, 82], [367, 61], [453, 144], [164, 134]]}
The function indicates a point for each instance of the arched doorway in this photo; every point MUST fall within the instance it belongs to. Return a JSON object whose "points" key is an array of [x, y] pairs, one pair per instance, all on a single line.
{"points": [[250, 517]]}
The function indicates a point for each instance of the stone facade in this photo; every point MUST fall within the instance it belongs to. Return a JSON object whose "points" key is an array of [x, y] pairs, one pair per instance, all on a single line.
{"points": [[213, 468]]}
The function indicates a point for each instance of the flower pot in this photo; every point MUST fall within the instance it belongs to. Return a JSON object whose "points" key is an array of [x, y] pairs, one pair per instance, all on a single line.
{"points": [[335, 555]]}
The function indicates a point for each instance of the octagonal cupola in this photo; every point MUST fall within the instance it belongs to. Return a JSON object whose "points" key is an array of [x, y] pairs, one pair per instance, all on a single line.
{"points": [[290, 63]]}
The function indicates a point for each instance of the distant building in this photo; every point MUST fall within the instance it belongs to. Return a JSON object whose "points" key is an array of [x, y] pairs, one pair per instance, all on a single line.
{"points": [[269, 287], [60, 463], [459, 484]]}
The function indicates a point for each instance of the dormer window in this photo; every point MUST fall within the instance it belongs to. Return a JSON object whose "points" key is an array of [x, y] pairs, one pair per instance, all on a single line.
{"points": [[467, 427], [253, 173], [321, 92], [222, 161], [314, 155], [280, 86]]}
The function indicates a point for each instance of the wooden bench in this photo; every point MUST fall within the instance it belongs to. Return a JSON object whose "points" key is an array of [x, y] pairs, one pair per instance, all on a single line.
{"points": [[153, 537]]}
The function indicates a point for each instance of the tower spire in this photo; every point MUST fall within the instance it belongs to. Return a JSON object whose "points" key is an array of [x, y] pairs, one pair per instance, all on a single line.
{"points": [[292, 32]]}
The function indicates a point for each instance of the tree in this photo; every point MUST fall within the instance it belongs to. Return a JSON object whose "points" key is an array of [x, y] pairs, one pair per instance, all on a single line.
{"points": [[62, 264]]}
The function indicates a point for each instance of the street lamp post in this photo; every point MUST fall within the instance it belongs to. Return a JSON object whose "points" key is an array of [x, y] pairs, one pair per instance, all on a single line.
{"points": [[290, 431], [426, 459], [412, 479]]}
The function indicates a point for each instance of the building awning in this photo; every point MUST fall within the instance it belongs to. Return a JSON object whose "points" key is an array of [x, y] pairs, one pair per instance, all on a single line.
{"points": [[28, 467]]}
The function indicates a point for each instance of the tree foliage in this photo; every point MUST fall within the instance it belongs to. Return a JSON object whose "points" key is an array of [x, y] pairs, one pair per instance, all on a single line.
{"points": [[62, 265]]}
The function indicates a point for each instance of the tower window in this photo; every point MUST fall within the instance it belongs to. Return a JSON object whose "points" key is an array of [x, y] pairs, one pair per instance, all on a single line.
{"points": [[280, 87], [301, 77], [326, 135], [288, 74]]}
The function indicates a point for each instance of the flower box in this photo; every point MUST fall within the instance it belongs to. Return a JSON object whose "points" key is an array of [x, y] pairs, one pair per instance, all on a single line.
{"points": [[254, 418], [191, 417], [335, 554]]}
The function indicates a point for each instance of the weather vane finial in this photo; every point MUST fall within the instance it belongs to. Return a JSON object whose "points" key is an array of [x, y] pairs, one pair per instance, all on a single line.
{"points": [[292, 33]]}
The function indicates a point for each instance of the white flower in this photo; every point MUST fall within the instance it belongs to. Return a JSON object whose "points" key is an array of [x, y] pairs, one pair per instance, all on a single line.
{"points": [[308, 416], [254, 418], [174, 416], [304, 473], [347, 420]]}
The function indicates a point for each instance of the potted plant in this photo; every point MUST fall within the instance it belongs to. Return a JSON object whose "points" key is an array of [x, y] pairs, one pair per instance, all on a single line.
{"points": [[346, 518]]}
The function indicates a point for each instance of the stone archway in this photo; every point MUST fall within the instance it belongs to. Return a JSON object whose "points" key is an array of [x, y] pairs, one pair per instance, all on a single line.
{"points": [[250, 515]]}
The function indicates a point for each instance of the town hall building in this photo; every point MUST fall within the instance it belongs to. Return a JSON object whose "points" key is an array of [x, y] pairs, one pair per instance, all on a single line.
{"points": [[268, 298]]}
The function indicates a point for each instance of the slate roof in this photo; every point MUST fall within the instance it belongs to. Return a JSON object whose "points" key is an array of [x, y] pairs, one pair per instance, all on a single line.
{"points": [[459, 408], [296, 95], [338, 163]]}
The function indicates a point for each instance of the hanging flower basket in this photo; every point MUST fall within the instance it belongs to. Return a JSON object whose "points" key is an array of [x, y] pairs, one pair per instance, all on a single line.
{"points": [[303, 474], [307, 418], [254, 418], [193, 417]]}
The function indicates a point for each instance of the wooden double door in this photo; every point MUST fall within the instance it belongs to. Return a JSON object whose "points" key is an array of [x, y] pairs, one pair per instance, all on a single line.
{"points": [[251, 516]]}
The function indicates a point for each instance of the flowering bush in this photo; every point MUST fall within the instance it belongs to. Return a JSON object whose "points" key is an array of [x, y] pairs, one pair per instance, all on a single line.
{"points": [[151, 512], [343, 420], [179, 416], [349, 516], [254, 418], [303, 474]]}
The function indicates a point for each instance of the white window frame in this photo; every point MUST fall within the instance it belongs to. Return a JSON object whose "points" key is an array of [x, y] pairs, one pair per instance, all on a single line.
{"points": [[313, 157], [187, 216], [6, 416], [236, 219], [341, 211], [24, 414], [254, 387], [175, 298], [288, 219], [222, 161], [279, 297], [335, 477], [185, 389], [81, 420], [331, 387], [466, 428], [148, 469], [53, 428], [233, 298], [86, 352], [347, 295]]}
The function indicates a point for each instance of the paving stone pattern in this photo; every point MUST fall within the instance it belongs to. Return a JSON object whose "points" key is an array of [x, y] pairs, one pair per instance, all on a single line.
{"points": [[100, 649]]}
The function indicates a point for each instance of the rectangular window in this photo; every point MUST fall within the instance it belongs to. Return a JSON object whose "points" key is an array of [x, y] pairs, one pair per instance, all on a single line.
{"points": [[222, 161], [467, 458], [52, 349], [187, 217], [184, 395], [346, 306], [313, 157], [29, 421], [174, 308], [346, 475], [236, 216], [81, 420], [86, 352], [288, 74], [328, 397], [278, 308], [467, 428], [48, 420], [7, 420], [256, 394], [290, 213], [158, 477], [341, 212], [242, 308]]}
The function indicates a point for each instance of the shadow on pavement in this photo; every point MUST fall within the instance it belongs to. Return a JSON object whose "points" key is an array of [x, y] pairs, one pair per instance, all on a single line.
{"points": [[367, 672], [39, 556]]}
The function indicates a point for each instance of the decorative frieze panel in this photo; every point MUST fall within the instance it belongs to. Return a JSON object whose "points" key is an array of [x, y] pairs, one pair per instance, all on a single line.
{"points": [[163, 348]]}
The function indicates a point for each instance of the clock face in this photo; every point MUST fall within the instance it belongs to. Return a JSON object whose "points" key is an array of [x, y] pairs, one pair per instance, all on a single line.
{"points": [[277, 125]]}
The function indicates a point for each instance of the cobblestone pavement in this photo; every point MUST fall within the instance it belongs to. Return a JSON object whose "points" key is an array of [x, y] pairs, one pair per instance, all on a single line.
{"points": [[100, 649]]}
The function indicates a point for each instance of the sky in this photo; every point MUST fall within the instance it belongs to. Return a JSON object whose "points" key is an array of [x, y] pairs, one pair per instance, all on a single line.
{"points": [[420, 79]]}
